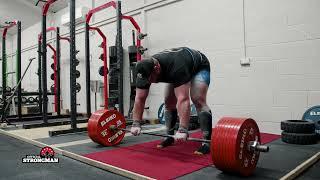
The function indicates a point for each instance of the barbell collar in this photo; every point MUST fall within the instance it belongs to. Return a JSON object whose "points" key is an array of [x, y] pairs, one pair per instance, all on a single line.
{"points": [[256, 146]]}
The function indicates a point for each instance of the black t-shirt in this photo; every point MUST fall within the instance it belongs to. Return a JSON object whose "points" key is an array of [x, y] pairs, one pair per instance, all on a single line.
{"points": [[179, 65]]}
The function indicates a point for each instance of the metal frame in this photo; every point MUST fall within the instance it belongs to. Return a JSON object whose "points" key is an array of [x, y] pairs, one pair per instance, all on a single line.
{"points": [[120, 55], [56, 102], [38, 116], [137, 27], [105, 64], [87, 54], [43, 54], [4, 64], [72, 57], [45, 9], [104, 47], [119, 47], [73, 95], [56, 59]]}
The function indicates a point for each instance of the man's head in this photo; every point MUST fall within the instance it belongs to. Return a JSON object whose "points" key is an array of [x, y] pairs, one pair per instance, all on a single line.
{"points": [[147, 71]]}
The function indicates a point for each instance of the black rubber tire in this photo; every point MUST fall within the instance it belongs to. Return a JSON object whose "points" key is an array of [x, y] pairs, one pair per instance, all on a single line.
{"points": [[299, 138], [298, 126]]}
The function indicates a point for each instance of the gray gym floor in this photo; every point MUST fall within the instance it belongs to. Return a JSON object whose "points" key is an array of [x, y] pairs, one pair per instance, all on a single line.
{"points": [[281, 159], [12, 151]]}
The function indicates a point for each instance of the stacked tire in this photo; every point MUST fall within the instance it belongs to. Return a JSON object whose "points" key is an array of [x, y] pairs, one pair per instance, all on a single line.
{"points": [[298, 132]]}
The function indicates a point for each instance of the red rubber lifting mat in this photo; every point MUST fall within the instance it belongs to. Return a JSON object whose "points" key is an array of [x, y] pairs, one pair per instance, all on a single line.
{"points": [[167, 163]]}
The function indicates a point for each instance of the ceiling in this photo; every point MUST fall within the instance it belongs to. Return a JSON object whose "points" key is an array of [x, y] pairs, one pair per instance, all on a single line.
{"points": [[26, 11]]}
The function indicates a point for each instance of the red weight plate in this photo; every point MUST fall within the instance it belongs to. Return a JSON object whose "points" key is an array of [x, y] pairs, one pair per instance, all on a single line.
{"points": [[245, 159], [230, 140], [99, 124], [223, 140], [230, 136], [218, 149]]}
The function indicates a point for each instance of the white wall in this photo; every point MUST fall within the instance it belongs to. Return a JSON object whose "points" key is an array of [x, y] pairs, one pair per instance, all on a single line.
{"points": [[280, 36]]}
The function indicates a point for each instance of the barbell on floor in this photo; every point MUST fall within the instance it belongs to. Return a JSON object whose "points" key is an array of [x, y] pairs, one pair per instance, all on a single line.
{"points": [[114, 128], [252, 145], [235, 142]]}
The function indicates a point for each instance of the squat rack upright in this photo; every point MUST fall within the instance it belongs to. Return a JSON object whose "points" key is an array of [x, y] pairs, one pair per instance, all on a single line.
{"points": [[44, 61], [56, 69], [119, 52], [43, 54], [73, 94], [4, 64], [117, 6]]}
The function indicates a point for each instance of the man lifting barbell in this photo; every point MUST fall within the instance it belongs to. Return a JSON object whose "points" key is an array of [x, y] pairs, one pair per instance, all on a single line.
{"points": [[187, 73]]}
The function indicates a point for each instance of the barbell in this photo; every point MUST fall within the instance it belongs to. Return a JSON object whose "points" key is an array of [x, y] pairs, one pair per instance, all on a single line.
{"points": [[235, 142], [114, 128]]}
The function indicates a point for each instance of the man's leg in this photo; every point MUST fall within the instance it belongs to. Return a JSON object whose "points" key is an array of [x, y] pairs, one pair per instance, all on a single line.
{"points": [[170, 114], [199, 88]]}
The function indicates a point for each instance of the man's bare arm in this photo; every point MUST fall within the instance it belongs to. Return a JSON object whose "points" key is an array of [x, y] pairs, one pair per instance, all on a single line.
{"points": [[139, 103]]}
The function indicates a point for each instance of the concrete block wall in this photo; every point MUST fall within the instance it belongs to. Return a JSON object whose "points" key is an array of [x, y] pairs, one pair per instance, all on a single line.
{"points": [[280, 37]]}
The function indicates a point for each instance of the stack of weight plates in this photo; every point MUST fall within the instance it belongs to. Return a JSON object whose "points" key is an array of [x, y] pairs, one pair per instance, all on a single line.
{"points": [[298, 132]]}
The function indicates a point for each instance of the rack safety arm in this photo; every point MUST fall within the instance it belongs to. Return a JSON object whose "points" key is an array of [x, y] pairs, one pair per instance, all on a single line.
{"points": [[99, 8], [65, 38], [105, 64], [137, 27], [52, 48], [6, 28], [134, 22], [46, 6], [55, 77], [48, 30]]}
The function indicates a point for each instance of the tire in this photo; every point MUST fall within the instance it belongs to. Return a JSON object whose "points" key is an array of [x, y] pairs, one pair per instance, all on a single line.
{"points": [[298, 126], [299, 138]]}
